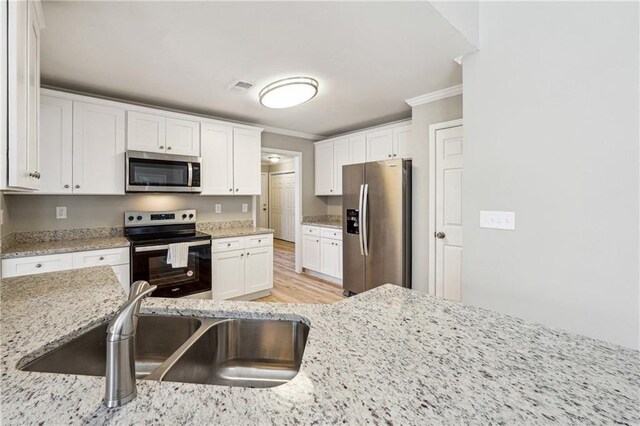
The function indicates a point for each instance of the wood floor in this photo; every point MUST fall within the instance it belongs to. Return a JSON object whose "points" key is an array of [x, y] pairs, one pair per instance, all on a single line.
{"points": [[290, 287]]}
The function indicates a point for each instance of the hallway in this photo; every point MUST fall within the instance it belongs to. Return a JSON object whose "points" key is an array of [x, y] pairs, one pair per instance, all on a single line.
{"points": [[290, 287]]}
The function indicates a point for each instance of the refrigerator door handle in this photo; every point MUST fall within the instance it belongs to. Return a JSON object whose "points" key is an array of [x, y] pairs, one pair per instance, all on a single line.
{"points": [[360, 241], [365, 219]]}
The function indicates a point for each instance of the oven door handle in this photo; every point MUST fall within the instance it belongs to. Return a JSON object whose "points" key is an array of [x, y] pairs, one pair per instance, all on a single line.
{"points": [[142, 249]]}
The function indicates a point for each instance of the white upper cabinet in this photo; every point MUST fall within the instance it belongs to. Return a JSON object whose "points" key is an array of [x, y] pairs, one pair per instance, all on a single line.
{"points": [[324, 168], [56, 118], [23, 93], [98, 149], [217, 159], [380, 145], [183, 137], [357, 149], [340, 158], [402, 146], [155, 133], [246, 161]]}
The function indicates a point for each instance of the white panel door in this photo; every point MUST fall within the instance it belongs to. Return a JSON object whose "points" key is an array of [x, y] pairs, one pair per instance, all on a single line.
{"points": [[380, 145], [246, 161], [276, 205], [264, 200], [217, 159], [357, 149], [146, 132], [228, 274], [324, 173], [56, 149], [258, 269], [449, 152], [329, 252], [311, 252], [402, 144], [183, 137], [282, 207], [98, 149], [340, 158]]}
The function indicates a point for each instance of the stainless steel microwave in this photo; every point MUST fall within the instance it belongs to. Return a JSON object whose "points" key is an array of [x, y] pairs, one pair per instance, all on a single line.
{"points": [[150, 172]]}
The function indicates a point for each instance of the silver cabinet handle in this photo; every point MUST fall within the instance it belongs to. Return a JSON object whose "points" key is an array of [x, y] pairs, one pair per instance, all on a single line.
{"points": [[66, 186], [168, 148], [259, 241], [248, 254], [77, 186], [230, 189], [389, 155], [39, 265], [161, 147], [395, 155], [101, 257], [242, 255], [228, 244], [35, 175], [237, 189], [440, 235]]}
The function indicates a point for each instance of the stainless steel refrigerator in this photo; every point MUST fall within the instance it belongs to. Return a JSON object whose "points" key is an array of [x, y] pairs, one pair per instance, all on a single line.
{"points": [[376, 198]]}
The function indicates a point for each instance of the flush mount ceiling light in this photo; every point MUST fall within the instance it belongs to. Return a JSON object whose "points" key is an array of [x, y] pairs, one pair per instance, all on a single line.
{"points": [[289, 92], [274, 158]]}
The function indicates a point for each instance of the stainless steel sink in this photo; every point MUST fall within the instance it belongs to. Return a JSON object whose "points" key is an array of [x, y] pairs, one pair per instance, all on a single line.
{"points": [[242, 352], [217, 351], [158, 337]]}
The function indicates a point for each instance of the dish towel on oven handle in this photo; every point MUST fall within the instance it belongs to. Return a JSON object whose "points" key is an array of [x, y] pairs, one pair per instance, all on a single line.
{"points": [[178, 255]]}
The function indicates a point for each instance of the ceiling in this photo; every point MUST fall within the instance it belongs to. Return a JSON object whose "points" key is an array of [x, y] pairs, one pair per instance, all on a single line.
{"points": [[367, 56]]}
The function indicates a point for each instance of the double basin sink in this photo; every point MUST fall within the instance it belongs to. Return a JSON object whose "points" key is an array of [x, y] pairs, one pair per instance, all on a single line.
{"points": [[259, 353]]}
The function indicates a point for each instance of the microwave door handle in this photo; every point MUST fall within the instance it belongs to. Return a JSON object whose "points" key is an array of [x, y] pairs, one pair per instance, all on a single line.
{"points": [[143, 249], [190, 174]]}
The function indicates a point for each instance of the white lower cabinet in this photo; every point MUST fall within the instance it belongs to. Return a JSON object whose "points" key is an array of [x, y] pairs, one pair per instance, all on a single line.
{"points": [[322, 250], [242, 266], [117, 258]]}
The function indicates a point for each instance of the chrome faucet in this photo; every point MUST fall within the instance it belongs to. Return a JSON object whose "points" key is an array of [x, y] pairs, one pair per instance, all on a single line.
{"points": [[121, 368]]}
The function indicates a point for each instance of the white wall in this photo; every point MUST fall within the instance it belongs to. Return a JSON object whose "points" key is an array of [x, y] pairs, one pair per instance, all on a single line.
{"points": [[551, 132], [463, 15], [422, 117]]}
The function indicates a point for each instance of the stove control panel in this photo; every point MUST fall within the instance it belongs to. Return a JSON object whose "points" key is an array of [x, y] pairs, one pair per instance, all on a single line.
{"points": [[159, 218]]}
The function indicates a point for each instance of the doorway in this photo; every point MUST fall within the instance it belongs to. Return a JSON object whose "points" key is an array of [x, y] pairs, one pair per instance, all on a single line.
{"points": [[263, 217], [282, 205], [445, 209]]}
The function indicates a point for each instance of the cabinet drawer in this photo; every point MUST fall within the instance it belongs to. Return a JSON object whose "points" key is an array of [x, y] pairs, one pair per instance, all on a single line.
{"points": [[36, 265], [227, 244], [311, 230], [117, 256], [261, 240], [333, 233]]}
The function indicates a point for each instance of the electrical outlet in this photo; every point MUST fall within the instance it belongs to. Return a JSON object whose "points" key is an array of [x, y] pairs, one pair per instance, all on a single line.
{"points": [[61, 212], [218, 208], [245, 207], [498, 220]]}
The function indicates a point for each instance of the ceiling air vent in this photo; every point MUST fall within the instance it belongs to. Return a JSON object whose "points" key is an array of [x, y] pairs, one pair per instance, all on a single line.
{"points": [[240, 86]]}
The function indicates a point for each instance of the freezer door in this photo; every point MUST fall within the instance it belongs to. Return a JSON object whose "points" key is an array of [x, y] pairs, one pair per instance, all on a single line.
{"points": [[384, 223], [353, 275]]}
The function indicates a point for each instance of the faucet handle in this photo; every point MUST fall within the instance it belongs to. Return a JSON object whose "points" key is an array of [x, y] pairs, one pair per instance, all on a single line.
{"points": [[123, 324]]}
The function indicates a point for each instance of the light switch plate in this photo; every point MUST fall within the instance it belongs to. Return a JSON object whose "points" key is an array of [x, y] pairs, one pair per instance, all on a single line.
{"points": [[61, 212], [498, 220], [245, 207], [218, 208]]}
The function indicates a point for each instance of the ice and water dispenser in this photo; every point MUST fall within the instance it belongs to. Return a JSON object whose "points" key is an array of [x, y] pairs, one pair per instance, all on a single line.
{"points": [[353, 227]]}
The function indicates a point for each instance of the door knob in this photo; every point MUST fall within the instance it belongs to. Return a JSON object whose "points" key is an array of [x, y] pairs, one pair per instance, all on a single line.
{"points": [[440, 235]]}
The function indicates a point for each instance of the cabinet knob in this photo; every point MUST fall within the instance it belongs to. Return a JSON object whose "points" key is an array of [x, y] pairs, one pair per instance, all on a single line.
{"points": [[389, 155], [230, 189], [39, 265], [66, 186], [77, 186], [101, 257], [237, 189], [248, 254], [331, 190], [168, 148], [242, 255], [395, 155], [161, 147], [259, 241], [228, 244], [35, 175]]}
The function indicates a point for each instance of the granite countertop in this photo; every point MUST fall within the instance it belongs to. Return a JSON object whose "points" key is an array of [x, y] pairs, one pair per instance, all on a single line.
{"points": [[390, 355], [62, 246], [323, 223], [236, 232]]}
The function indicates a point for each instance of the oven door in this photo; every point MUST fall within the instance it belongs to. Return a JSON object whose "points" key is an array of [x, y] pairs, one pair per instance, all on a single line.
{"points": [[147, 172], [149, 263]]}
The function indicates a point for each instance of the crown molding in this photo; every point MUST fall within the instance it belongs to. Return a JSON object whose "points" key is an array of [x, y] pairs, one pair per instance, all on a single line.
{"points": [[435, 96], [295, 133]]}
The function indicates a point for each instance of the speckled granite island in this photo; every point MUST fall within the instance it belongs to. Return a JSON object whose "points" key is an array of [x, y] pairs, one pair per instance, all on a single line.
{"points": [[389, 356]]}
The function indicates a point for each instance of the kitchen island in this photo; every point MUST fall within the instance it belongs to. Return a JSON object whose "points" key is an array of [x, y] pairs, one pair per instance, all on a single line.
{"points": [[390, 355]]}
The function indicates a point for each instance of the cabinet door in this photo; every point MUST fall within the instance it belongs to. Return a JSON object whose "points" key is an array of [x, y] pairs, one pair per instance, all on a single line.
{"points": [[36, 265], [217, 159], [246, 162], [324, 168], [183, 137], [122, 272], [98, 149], [328, 257], [258, 269], [402, 144], [357, 149], [56, 117], [33, 92], [311, 252], [339, 253], [228, 274], [380, 145], [340, 158], [146, 132]]}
